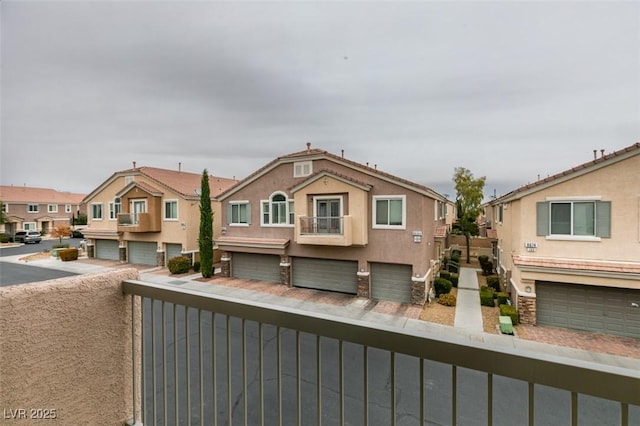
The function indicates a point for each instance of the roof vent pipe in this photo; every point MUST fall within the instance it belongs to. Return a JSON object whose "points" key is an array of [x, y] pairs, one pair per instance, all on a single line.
{"points": [[595, 154], [179, 166], [308, 146], [602, 153], [134, 164], [342, 153]]}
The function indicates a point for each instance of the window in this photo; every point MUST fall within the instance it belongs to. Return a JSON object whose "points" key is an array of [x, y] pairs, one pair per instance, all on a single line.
{"points": [[96, 211], [302, 168], [574, 219], [52, 208], [114, 209], [328, 215], [67, 208], [239, 213], [278, 210], [32, 208], [29, 226], [171, 210], [500, 213], [5, 207], [389, 212], [137, 207]]}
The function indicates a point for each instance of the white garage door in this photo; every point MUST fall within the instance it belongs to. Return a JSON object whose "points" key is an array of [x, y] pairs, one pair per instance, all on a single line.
{"points": [[391, 282], [107, 249], [589, 308], [263, 267], [173, 250], [140, 253], [324, 274]]}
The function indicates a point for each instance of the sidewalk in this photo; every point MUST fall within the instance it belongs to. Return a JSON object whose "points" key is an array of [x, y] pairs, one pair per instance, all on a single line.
{"points": [[468, 319]]}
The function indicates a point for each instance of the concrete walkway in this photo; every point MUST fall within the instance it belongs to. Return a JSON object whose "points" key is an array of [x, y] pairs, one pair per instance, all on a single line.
{"points": [[468, 312]]}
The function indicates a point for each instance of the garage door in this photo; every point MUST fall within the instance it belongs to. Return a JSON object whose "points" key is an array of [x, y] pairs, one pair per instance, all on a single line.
{"points": [[325, 274], [173, 250], [107, 249], [263, 267], [391, 282], [589, 308], [140, 253]]}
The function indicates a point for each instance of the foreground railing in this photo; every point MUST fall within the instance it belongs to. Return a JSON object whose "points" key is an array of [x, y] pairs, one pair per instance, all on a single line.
{"points": [[213, 360]]}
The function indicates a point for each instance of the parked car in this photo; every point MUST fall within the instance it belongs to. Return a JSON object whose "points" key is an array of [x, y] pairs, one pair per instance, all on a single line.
{"points": [[27, 237], [77, 233]]}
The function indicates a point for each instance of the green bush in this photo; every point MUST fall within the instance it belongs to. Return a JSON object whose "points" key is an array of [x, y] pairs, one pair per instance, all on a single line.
{"points": [[67, 254], [483, 259], [196, 266], [502, 298], [454, 279], [493, 281], [5, 238], [179, 265], [487, 296], [446, 275], [58, 246], [447, 300], [442, 286], [510, 311]]}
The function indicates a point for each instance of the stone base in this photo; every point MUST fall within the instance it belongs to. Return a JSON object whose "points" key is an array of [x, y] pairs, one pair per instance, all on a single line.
{"points": [[527, 309]]}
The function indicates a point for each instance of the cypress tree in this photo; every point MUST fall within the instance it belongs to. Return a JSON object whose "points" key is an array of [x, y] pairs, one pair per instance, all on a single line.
{"points": [[205, 239]]}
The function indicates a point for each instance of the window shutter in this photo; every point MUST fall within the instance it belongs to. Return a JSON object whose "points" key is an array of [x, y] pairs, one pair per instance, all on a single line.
{"points": [[248, 213], [603, 219], [542, 218], [229, 214]]}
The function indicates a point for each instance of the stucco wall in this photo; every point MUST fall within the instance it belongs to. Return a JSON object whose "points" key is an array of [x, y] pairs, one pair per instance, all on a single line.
{"points": [[65, 345]]}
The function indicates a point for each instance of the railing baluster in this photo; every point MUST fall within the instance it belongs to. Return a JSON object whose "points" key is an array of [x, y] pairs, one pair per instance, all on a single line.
{"points": [[392, 373], [319, 379], [298, 380], [229, 399], [134, 358], [421, 361], [260, 374], [454, 392], [341, 379], [574, 409], [278, 375], [624, 414], [531, 404], [201, 367], [153, 361], [365, 385], [144, 367], [489, 399], [175, 366], [214, 385], [188, 362], [164, 364], [244, 370]]}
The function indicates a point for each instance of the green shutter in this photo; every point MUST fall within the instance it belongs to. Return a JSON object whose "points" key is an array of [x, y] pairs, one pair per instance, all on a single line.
{"points": [[542, 218], [603, 219]]}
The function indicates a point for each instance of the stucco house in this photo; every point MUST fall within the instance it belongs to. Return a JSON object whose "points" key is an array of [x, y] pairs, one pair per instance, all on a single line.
{"points": [[317, 220], [569, 245], [147, 215], [37, 209]]}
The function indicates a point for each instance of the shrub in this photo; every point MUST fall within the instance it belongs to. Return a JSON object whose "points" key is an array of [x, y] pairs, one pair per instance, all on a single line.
{"points": [[67, 254], [4, 238], [446, 275], [447, 300], [494, 282], [445, 261], [196, 266], [442, 286], [486, 265], [483, 259], [454, 279], [510, 311], [60, 246], [487, 296], [502, 298], [179, 265]]}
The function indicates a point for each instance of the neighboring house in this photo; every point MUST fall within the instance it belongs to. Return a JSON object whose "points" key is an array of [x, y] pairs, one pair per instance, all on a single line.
{"points": [[569, 246], [317, 220], [37, 209], [147, 215]]}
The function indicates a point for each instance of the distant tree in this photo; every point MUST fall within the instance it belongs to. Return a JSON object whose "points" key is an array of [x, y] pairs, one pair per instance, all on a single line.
{"points": [[81, 219], [59, 231], [469, 196], [3, 216], [205, 239]]}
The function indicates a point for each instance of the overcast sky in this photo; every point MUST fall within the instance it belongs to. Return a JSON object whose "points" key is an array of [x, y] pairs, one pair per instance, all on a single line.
{"points": [[509, 90]]}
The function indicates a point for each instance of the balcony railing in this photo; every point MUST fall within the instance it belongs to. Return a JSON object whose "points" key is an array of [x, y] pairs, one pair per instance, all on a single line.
{"points": [[140, 222], [321, 225], [213, 360]]}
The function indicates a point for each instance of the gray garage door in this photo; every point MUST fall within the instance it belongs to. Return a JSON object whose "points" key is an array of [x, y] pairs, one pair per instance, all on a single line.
{"points": [[263, 267], [324, 274], [107, 249], [173, 250], [391, 282], [140, 253], [583, 307]]}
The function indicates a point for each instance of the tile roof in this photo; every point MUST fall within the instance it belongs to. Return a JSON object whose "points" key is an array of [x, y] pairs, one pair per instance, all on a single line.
{"points": [[186, 183], [441, 231], [492, 233], [577, 264], [25, 194]]}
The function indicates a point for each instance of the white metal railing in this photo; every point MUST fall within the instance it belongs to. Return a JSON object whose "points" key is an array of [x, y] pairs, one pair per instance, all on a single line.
{"points": [[321, 225], [214, 360]]}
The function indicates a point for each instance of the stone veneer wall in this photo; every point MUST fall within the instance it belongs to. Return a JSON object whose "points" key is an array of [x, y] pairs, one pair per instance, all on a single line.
{"points": [[285, 270], [527, 309], [65, 346]]}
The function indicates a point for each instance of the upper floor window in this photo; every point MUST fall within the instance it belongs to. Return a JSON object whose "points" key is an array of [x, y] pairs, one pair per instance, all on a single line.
{"points": [[115, 207], [278, 210], [33, 208], [239, 213], [500, 213], [389, 211], [67, 208], [96, 211], [171, 210], [574, 219], [5, 207], [52, 208], [302, 168]]}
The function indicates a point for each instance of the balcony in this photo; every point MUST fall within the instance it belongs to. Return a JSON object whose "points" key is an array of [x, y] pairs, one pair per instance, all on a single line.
{"points": [[141, 222], [325, 231], [171, 355]]}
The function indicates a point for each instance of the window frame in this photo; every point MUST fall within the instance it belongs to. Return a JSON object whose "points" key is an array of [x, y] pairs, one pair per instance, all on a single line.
{"points": [[601, 219], [113, 211], [299, 168], [238, 204], [94, 207], [164, 210], [374, 209], [266, 211], [52, 208], [26, 226], [67, 208], [33, 208]]}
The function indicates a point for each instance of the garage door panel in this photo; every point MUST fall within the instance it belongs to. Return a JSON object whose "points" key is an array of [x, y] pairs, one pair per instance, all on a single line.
{"points": [[391, 282], [107, 249], [253, 266], [325, 274], [142, 253], [173, 250], [589, 308]]}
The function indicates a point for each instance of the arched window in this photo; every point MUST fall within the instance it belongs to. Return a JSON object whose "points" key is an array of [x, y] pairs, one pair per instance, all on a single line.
{"points": [[277, 210]]}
